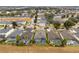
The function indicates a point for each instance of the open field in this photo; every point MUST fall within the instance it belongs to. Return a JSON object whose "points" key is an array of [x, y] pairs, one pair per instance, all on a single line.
{"points": [[37, 49]]}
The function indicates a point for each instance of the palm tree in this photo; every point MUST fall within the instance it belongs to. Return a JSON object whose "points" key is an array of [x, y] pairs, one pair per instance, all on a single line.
{"points": [[57, 26], [14, 24], [70, 22], [32, 41], [35, 21], [5, 26], [36, 17], [46, 32], [63, 41]]}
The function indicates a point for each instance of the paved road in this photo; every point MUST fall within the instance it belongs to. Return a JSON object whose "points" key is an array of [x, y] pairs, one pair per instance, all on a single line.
{"points": [[77, 30], [28, 33], [69, 35], [53, 36], [66, 34]]}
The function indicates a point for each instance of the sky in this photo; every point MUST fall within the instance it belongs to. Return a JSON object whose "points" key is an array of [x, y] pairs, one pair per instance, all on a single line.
{"points": [[39, 2]]}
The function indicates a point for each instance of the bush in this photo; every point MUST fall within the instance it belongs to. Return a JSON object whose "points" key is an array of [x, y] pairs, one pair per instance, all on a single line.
{"points": [[21, 43], [32, 41], [57, 43], [17, 39], [25, 37], [57, 25], [2, 41], [10, 42], [64, 42], [60, 43], [47, 41]]}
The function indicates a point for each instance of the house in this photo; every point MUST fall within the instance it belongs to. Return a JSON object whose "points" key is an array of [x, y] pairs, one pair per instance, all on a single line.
{"points": [[3, 32], [13, 35], [41, 21], [28, 33], [40, 36]]}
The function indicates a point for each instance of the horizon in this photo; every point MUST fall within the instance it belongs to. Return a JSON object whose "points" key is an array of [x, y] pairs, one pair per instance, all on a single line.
{"points": [[21, 7]]}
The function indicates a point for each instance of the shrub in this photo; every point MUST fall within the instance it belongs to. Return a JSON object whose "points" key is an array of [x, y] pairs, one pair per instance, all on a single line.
{"points": [[25, 37], [64, 42], [2, 41], [10, 42], [57, 43], [21, 43], [57, 25], [61, 43], [17, 39], [47, 41]]}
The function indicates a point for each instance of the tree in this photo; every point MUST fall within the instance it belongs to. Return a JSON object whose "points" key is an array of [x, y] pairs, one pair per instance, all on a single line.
{"points": [[26, 23], [69, 23], [49, 17], [73, 19], [47, 39], [5, 26], [46, 33], [63, 42], [57, 10], [57, 25], [14, 24], [32, 40], [25, 37], [24, 27], [36, 16], [30, 13]]}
